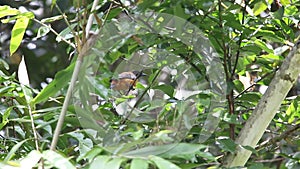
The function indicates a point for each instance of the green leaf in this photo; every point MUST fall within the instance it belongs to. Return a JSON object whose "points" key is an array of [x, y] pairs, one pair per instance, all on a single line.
{"points": [[227, 144], [5, 116], [114, 163], [10, 19], [18, 33], [238, 85], [250, 149], [179, 150], [263, 46], [106, 162], [272, 57], [51, 19], [250, 97], [257, 166], [167, 89], [8, 11], [90, 155], [14, 150], [9, 165], [269, 36], [99, 162], [123, 99], [61, 80], [113, 13], [27, 93], [259, 7], [186, 151], [291, 10], [43, 30], [179, 11], [28, 15], [53, 3], [162, 163], [139, 164], [57, 160], [292, 111], [31, 159], [4, 64], [66, 33], [285, 2], [150, 150], [231, 118], [279, 13], [192, 166]]}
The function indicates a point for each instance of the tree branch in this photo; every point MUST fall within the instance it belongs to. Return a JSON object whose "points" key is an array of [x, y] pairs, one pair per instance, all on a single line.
{"points": [[266, 108]]}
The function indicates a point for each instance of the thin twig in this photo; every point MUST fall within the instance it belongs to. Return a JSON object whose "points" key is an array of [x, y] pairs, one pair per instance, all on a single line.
{"points": [[239, 42], [105, 19], [283, 136], [227, 70], [134, 81], [278, 159], [57, 34], [90, 19], [35, 135], [68, 96], [140, 98], [68, 24], [252, 85]]}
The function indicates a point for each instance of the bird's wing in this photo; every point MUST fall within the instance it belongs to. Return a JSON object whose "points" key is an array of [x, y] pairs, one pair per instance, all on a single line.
{"points": [[127, 75]]}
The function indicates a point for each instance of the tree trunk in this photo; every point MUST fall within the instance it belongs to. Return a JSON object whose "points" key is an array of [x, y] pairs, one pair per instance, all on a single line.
{"points": [[267, 107]]}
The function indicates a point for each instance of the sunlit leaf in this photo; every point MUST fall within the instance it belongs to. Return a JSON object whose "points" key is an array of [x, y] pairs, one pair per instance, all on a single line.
{"points": [[285, 2], [53, 3], [99, 162], [292, 111], [139, 164], [162, 163], [8, 11], [51, 19], [22, 73], [42, 31], [263, 45], [31, 159], [90, 155], [106, 162], [66, 33], [14, 150], [18, 33], [57, 160], [291, 10], [259, 7], [5, 116]]}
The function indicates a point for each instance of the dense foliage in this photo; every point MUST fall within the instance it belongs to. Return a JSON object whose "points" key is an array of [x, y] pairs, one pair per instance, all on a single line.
{"points": [[206, 65]]}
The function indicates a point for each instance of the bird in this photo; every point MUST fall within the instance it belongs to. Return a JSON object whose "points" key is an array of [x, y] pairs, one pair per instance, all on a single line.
{"points": [[126, 80]]}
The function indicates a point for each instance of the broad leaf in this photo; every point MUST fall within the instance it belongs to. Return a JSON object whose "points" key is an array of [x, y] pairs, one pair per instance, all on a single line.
{"points": [[57, 160], [18, 33], [8, 11], [61, 80], [162, 163], [139, 164]]}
